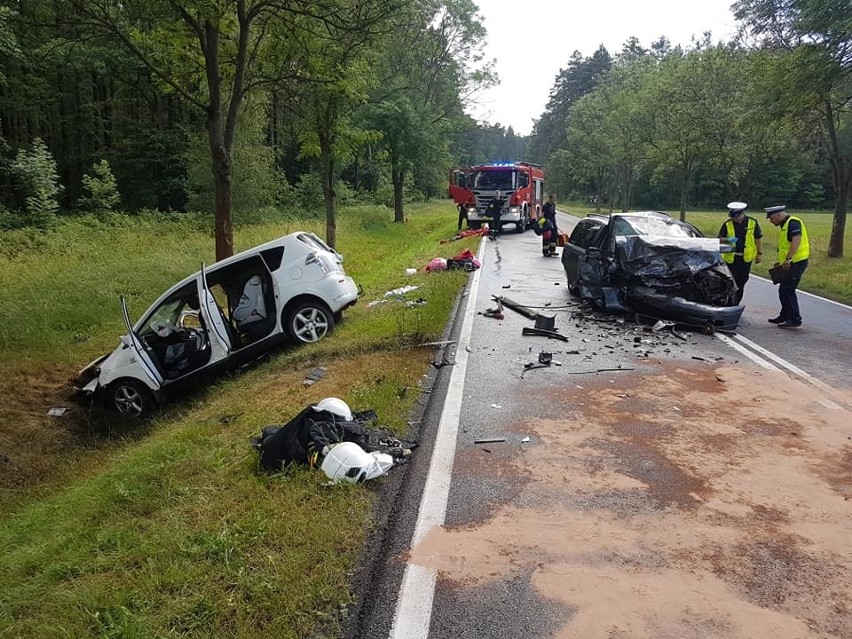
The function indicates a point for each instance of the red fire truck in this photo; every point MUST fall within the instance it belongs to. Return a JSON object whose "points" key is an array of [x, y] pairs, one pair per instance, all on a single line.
{"points": [[521, 186]]}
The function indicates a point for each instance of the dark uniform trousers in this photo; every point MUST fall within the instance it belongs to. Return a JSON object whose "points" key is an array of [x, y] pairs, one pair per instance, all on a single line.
{"points": [[740, 270], [787, 293]]}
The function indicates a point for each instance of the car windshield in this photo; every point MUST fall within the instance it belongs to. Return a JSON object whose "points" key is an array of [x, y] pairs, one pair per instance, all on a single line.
{"points": [[665, 227], [169, 311], [492, 180]]}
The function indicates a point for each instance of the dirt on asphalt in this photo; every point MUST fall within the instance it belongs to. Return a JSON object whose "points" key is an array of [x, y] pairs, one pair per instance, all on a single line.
{"points": [[694, 501]]}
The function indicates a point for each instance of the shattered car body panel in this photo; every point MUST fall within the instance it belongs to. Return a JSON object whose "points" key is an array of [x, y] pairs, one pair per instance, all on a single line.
{"points": [[654, 265]]}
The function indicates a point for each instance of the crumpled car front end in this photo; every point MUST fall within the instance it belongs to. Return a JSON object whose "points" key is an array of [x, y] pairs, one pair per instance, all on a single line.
{"points": [[678, 278], [87, 380]]}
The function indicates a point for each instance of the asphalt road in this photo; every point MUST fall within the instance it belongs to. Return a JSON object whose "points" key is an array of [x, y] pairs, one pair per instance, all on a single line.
{"points": [[645, 484]]}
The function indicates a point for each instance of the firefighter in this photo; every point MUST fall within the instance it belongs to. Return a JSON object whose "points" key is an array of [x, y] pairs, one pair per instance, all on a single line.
{"points": [[745, 238], [549, 228], [793, 252], [494, 210]]}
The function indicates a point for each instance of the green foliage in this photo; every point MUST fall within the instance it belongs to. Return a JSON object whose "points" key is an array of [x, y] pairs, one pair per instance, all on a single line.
{"points": [[579, 78], [100, 191], [167, 528], [35, 171]]}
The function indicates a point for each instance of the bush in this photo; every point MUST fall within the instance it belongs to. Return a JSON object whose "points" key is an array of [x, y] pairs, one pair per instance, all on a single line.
{"points": [[100, 191], [35, 170]]}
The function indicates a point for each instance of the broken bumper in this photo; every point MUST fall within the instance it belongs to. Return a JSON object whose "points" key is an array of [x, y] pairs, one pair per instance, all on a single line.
{"points": [[680, 310]]}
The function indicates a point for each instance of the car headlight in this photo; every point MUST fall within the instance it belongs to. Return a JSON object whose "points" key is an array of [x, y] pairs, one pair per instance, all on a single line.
{"points": [[514, 209]]}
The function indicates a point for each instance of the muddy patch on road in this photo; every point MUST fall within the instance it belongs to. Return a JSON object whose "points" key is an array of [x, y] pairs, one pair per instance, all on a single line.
{"points": [[688, 502]]}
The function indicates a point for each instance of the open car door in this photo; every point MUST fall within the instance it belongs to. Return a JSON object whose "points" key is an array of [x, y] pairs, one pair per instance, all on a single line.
{"points": [[214, 318], [146, 364]]}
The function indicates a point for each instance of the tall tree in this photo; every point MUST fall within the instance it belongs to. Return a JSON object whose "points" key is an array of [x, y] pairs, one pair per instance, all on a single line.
{"points": [[335, 77], [573, 82], [812, 82], [206, 52], [430, 65]]}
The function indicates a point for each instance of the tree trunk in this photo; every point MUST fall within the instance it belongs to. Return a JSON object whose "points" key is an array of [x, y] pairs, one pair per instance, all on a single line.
{"points": [[222, 200], [684, 190], [841, 173], [843, 185], [328, 191], [398, 178]]}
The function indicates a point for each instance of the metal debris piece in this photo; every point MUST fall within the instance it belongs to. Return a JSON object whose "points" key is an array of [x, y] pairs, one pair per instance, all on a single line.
{"points": [[543, 333], [515, 306], [56, 411], [525, 440], [532, 366], [317, 374], [489, 440], [600, 370], [545, 322]]}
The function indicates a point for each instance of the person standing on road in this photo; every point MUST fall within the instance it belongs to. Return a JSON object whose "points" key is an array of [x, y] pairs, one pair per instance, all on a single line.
{"points": [[494, 210], [793, 252], [549, 229], [745, 237], [463, 215]]}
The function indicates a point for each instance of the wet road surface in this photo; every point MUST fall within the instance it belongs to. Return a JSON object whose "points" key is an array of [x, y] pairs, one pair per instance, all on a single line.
{"points": [[650, 483]]}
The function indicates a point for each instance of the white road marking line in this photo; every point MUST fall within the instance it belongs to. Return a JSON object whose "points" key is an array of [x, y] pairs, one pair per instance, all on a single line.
{"points": [[814, 295], [742, 349], [783, 362], [414, 605]]}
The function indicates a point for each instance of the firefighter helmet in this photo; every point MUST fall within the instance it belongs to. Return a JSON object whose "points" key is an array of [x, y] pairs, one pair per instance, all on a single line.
{"points": [[337, 406]]}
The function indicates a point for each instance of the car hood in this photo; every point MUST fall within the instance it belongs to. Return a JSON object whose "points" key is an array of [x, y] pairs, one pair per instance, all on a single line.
{"points": [[652, 257]]}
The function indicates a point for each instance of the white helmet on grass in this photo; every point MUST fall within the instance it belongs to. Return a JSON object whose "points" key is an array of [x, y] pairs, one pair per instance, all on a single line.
{"points": [[336, 406]]}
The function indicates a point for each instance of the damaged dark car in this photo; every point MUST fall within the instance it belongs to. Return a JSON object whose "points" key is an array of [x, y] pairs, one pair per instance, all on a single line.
{"points": [[651, 264]]}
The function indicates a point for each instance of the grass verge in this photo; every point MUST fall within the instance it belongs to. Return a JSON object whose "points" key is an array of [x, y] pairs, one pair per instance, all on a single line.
{"points": [[166, 528]]}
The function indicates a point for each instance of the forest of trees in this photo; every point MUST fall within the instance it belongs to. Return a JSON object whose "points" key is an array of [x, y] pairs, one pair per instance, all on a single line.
{"points": [[238, 106], [766, 119]]}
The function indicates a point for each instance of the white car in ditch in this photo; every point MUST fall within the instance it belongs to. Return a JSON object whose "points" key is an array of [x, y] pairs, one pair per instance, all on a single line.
{"points": [[221, 317]]}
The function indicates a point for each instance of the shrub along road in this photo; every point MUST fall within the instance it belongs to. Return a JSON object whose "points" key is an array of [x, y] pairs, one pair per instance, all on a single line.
{"points": [[693, 487]]}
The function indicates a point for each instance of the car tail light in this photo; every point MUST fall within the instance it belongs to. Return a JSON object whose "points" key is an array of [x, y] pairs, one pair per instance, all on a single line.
{"points": [[325, 263]]}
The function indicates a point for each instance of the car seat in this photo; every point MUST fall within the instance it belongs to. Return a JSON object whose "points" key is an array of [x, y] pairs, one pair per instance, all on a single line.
{"points": [[250, 314]]}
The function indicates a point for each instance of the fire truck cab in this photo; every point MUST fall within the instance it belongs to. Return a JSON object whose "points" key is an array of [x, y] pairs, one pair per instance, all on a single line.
{"points": [[521, 186]]}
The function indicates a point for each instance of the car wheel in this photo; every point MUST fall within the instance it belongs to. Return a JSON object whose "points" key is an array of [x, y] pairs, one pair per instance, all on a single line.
{"points": [[574, 287], [310, 322], [131, 397]]}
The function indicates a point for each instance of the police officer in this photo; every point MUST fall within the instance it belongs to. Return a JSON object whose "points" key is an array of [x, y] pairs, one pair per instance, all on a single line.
{"points": [[793, 252], [745, 237]]}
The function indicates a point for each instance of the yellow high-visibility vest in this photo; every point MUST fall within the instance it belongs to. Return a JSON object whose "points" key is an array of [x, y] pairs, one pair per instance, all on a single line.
{"points": [[804, 250], [750, 249]]}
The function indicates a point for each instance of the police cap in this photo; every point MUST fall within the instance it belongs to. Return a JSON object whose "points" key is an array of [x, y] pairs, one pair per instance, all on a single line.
{"points": [[775, 209], [735, 208]]}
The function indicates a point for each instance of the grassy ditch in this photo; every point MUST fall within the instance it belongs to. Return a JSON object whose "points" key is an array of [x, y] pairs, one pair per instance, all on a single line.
{"points": [[831, 278], [165, 528]]}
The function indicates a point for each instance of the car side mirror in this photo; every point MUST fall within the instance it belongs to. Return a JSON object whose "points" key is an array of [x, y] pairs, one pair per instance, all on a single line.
{"points": [[125, 340]]}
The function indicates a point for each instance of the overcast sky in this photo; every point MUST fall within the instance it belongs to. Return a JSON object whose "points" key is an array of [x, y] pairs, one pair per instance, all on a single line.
{"points": [[532, 40]]}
